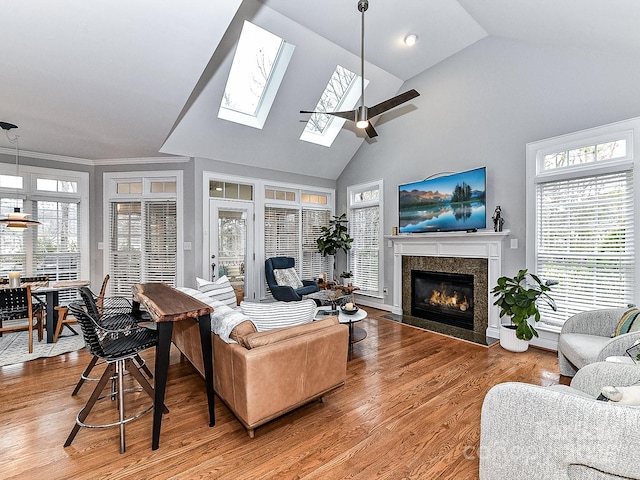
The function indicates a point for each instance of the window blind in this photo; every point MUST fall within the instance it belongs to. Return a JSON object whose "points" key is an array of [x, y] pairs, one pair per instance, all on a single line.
{"points": [[282, 233], [12, 244], [160, 242], [143, 244], [125, 246], [56, 247], [585, 241], [364, 256], [313, 262]]}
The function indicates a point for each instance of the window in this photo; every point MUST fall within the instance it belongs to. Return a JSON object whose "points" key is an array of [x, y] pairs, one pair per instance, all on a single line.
{"points": [[365, 227], [313, 262], [582, 193], [282, 233], [58, 246], [258, 68], [230, 190], [341, 94], [143, 231], [291, 228]]}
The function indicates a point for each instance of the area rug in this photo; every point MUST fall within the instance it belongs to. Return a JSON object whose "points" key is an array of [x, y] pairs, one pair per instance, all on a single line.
{"points": [[14, 347]]}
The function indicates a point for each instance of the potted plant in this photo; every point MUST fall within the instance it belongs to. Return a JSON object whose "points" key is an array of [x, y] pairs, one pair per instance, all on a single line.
{"points": [[335, 237], [517, 297], [345, 278]]}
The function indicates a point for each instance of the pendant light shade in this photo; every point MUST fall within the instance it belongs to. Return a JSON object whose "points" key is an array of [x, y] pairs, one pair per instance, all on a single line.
{"points": [[16, 220]]}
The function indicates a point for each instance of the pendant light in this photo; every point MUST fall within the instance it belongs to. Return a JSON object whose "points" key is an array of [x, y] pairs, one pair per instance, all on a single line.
{"points": [[16, 220]]}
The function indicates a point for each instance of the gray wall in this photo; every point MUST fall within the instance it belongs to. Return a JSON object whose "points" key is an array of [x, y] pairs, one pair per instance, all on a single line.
{"points": [[480, 108]]}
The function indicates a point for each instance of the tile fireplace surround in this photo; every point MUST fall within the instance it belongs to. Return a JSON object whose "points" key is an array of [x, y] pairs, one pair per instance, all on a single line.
{"points": [[440, 251]]}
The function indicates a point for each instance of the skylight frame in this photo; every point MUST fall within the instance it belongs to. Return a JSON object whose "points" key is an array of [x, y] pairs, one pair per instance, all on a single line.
{"points": [[279, 66], [348, 101]]}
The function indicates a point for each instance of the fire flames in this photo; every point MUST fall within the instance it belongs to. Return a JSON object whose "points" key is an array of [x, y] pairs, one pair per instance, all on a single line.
{"points": [[442, 298]]}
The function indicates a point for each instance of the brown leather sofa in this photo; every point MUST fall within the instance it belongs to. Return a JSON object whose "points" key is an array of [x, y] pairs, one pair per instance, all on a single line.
{"points": [[277, 371]]}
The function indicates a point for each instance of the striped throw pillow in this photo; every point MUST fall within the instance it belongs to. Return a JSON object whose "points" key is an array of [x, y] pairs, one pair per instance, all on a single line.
{"points": [[220, 291], [267, 316], [629, 322]]}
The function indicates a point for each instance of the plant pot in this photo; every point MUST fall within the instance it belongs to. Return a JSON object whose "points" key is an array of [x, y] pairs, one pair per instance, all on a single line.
{"points": [[345, 282], [509, 341]]}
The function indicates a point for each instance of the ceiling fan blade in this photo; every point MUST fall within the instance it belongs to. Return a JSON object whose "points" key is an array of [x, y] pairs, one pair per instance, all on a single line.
{"points": [[349, 115], [371, 132], [392, 103]]}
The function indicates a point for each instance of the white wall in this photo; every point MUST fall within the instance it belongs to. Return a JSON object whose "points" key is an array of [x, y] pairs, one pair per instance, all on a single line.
{"points": [[481, 107]]}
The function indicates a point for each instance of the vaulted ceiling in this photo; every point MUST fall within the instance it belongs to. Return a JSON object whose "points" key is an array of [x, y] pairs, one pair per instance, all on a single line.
{"points": [[122, 79]]}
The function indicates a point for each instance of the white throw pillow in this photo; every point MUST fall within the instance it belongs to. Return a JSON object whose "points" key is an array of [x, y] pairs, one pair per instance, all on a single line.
{"points": [[267, 316], [220, 290], [288, 277]]}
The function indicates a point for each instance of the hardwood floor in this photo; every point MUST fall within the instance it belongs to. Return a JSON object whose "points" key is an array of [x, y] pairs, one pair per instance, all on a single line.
{"points": [[410, 409]]}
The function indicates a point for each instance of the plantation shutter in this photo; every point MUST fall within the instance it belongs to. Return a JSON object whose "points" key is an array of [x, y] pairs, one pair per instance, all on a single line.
{"points": [[313, 262], [364, 228], [160, 242], [585, 241]]}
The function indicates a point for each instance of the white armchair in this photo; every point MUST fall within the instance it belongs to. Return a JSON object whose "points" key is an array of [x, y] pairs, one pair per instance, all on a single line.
{"points": [[587, 338], [531, 432]]}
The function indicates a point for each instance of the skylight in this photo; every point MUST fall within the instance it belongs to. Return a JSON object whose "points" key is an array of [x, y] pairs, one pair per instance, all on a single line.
{"points": [[341, 93], [258, 67]]}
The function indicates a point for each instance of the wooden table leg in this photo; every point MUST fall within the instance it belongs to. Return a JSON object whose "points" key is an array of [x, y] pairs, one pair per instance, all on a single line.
{"points": [[165, 329], [204, 322]]}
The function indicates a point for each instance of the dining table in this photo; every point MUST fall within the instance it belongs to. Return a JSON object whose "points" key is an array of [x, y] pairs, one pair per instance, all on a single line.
{"points": [[51, 293], [166, 305]]}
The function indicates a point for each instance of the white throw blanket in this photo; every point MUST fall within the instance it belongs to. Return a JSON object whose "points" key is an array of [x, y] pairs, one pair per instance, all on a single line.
{"points": [[223, 319]]}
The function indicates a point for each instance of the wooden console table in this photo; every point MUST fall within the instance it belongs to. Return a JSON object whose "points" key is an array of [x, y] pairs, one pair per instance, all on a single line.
{"points": [[166, 305], [347, 290]]}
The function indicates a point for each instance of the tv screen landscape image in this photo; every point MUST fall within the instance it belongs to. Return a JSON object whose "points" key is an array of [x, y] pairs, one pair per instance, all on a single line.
{"points": [[443, 204]]}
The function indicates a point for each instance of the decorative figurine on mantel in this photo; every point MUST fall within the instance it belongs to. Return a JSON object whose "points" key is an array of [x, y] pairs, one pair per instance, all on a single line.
{"points": [[498, 221]]}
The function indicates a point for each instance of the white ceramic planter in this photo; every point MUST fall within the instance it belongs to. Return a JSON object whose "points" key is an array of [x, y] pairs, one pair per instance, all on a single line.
{"points": [[509, 341]]}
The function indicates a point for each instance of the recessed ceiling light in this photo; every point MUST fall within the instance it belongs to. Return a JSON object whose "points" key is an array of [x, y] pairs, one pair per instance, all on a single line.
{"points": [[411, 39]]}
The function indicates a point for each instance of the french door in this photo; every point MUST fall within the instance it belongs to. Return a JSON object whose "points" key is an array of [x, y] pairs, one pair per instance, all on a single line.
{"points": [[231, 248]]}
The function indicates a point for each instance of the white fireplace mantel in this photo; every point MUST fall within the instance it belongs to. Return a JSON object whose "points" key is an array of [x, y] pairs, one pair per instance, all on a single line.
{"points": [[481, 244]]}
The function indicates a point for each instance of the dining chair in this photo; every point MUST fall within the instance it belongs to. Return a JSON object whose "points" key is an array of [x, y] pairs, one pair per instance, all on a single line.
{"points": [[18, 309], [63, 311]]}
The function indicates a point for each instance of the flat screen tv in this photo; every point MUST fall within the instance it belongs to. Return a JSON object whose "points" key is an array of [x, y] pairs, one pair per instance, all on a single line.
{"points": [[443, 204]]}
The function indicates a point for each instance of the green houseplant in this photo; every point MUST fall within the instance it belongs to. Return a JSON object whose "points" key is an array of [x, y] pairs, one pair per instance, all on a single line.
{"points": [[517, 298], [335, 237], [345, 276]]}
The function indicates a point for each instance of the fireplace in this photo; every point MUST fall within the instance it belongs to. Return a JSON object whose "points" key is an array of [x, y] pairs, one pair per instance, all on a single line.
{"points": [[477, 253], [443, 297], [465, 276]]}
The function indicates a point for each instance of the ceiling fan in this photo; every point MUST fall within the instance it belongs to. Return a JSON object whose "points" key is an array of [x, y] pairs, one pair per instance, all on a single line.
{"points": [[362, 115]]}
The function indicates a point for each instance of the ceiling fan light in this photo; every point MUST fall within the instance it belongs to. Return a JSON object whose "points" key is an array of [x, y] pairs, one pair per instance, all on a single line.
{"points": [[411, 39], [361, 117]]}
